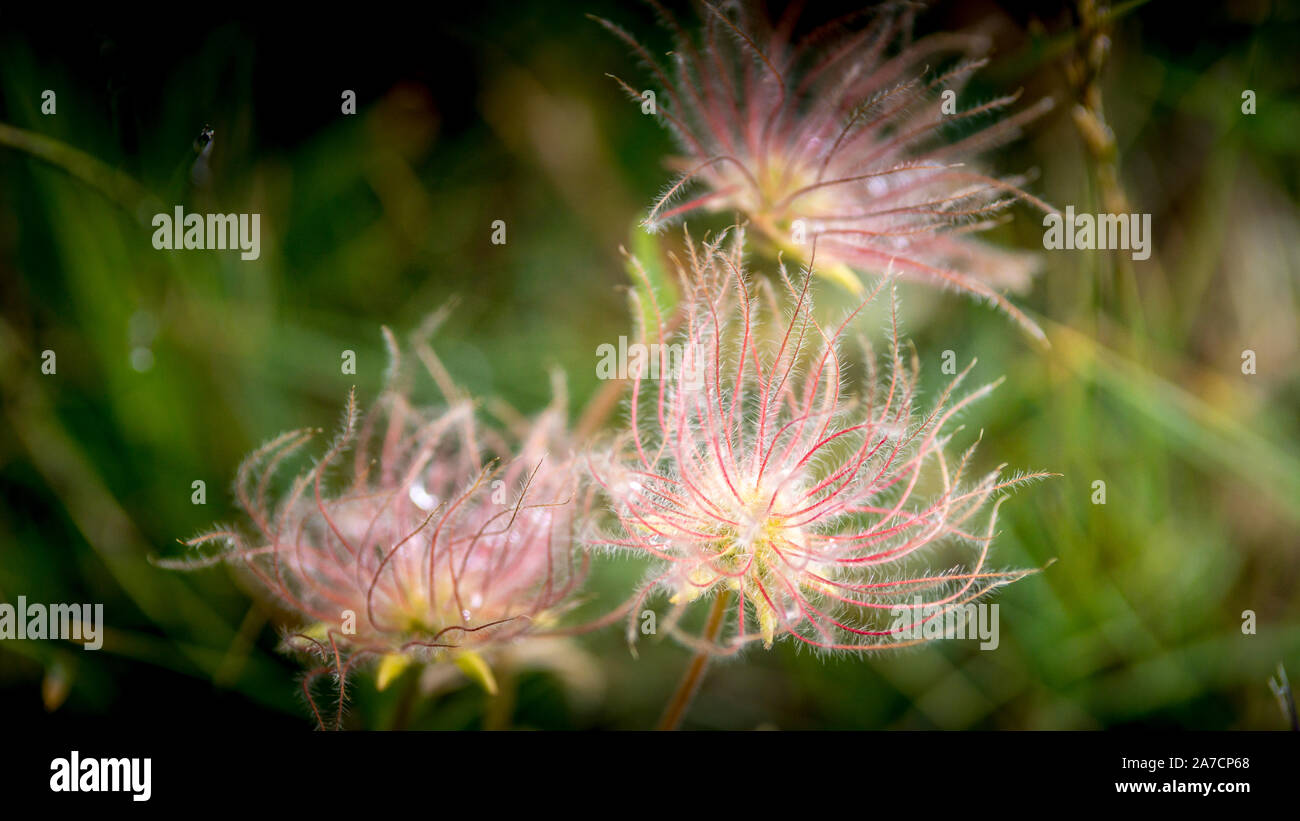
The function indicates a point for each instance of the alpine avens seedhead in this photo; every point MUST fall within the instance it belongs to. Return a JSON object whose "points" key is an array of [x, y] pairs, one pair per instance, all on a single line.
{"points": [[845, 136], [810, 509], [441, 543]]}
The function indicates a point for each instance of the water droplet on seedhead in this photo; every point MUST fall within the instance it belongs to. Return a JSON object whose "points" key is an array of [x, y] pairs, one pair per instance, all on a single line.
{"points": [[421, 498]]}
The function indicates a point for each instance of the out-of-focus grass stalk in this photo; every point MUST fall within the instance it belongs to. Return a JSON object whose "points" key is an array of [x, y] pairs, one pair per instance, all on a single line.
{"points": [[1226, 442], [1085, 70], [241, 647], [119, 187], [105, 526], [1044, 50], [651, 283], [501, 705]]}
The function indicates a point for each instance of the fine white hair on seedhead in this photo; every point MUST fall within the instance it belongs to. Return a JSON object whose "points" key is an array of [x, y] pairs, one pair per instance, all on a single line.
{"points": [[860, 132], [795, 499], [443, 535]]}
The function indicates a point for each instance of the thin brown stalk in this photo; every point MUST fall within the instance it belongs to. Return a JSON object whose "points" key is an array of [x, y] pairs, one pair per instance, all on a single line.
{"points": [[690, 683]]}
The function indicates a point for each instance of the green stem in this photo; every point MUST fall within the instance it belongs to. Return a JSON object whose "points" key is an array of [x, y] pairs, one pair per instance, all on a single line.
{"points": [[501, 707]]}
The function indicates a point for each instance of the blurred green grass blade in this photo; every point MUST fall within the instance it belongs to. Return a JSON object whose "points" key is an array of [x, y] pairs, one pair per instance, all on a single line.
{"points": [[115, 185], [1217, 437]]}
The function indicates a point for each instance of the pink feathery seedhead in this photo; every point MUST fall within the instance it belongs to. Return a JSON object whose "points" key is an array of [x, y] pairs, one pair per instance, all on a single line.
{"points": [[754, 477], [846, 135], [441, 543]]}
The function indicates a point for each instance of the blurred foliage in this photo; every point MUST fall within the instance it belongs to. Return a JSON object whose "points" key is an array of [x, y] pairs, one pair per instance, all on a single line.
{"points": [[172, 365]]}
